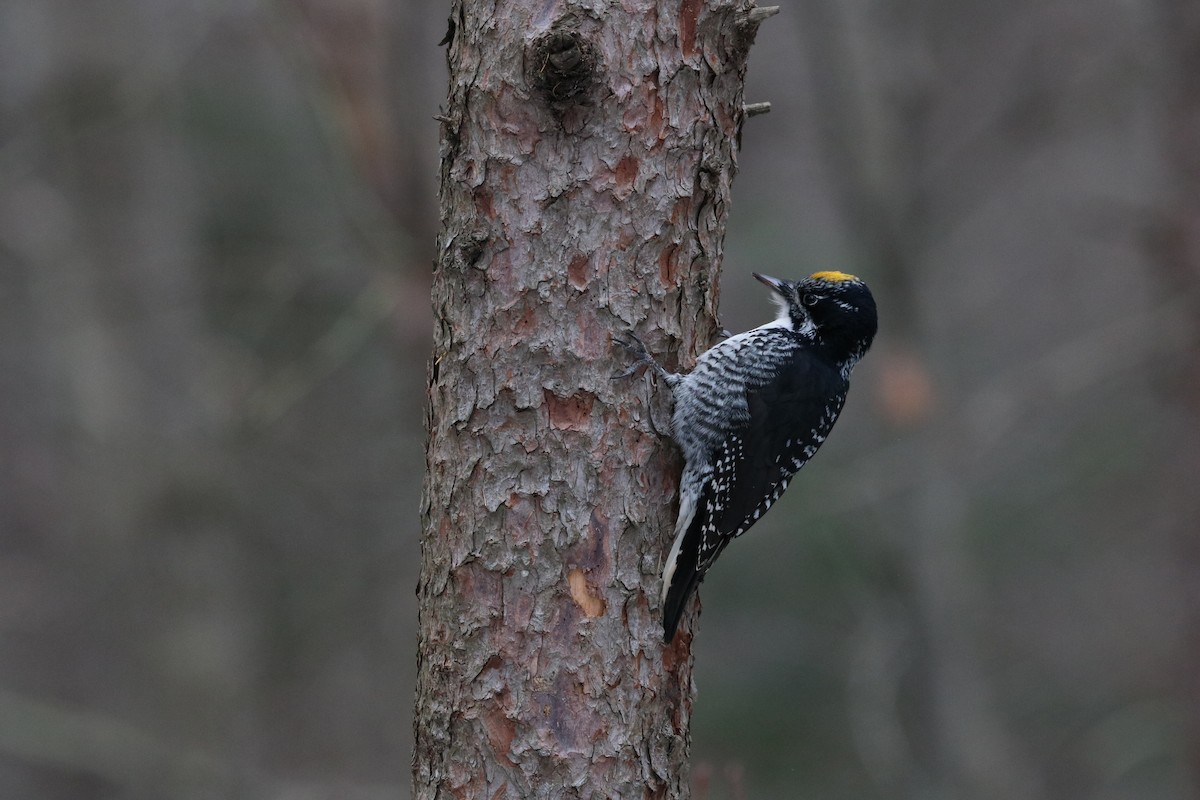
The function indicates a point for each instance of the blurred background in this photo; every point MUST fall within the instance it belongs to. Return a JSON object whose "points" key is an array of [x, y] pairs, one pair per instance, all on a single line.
{"points": [[216, 235]]}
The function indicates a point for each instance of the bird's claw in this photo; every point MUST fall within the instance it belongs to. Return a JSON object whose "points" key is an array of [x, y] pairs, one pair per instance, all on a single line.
{"points": [[631, 343], [627, 373], [636, 348]]}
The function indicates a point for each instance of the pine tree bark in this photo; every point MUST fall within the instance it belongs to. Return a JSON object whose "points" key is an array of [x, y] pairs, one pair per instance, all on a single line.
{"points": [[587, 155]]}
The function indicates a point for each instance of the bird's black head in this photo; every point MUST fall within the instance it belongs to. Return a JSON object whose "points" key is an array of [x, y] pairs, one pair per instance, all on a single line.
{"points": [[832, 308]]}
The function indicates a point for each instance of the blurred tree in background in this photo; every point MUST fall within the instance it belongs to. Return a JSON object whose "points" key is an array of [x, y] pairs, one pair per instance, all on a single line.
{"points": [[216, 230]]}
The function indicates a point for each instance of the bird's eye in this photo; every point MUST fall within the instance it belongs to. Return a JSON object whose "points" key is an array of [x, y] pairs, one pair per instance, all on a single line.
{"points": [[808, 299]]}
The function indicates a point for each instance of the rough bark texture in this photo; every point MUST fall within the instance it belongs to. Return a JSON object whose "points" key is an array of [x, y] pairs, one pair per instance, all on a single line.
{"points": [[587, 154]]}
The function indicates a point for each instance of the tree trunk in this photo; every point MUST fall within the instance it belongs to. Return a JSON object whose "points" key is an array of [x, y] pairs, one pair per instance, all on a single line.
{"points": [[586, 166]]}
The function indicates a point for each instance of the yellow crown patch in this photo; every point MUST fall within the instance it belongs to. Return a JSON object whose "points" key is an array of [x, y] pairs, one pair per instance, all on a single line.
{"points": [[833, 277]]}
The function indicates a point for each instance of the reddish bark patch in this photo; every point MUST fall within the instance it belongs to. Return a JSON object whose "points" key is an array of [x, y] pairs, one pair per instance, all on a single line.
{"points": [[689, 10], [645, 113], [500, 733], [592, 339], [668, 265], [675, 654], [577, 271], [625, 173], [657, 111], [485, 204], [681, 210], [569, 413], [524, 324]]}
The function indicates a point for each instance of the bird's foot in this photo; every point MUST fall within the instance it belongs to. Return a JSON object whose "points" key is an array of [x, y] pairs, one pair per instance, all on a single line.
{"points": [[642, 358]]}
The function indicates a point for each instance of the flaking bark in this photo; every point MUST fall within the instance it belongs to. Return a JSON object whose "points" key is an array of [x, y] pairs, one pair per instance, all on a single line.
{"points": [[587, 155]]}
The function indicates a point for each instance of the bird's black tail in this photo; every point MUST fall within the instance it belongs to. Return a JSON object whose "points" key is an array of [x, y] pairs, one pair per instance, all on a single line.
{"points": [[685, 578]]}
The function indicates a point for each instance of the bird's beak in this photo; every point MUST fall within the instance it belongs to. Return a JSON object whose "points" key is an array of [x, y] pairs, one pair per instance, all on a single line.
{"points": [[774, 283]]}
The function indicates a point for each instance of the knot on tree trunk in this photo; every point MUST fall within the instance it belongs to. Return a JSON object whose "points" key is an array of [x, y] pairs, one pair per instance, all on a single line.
{"points": [[562, 66]]}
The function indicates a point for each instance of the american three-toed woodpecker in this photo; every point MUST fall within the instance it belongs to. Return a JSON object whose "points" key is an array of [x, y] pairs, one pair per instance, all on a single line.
{"points": [[753, 412]]}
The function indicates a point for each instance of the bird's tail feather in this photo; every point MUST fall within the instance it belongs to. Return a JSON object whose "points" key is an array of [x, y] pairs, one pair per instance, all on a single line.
{"points": [[684, 576]]}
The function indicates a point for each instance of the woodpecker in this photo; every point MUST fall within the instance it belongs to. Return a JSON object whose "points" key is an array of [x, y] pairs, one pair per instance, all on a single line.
{"points": [[754, 410]]}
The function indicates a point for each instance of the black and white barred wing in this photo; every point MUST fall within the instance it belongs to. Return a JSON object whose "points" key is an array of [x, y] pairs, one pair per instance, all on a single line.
{"points": [[788, 421], [765, 443]]}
